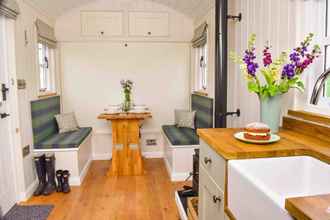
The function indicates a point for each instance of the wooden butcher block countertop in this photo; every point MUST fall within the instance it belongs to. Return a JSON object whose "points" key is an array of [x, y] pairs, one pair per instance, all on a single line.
{"points": [[291, 144], [309, 208], [308, 140]]}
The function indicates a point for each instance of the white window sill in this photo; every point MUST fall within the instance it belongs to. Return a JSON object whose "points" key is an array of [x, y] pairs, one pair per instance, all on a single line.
{"points": [[46, 94], [319, 109]]}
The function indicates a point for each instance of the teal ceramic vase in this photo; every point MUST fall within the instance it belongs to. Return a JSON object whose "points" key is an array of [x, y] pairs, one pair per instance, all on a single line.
{"points": [[270, 112]]}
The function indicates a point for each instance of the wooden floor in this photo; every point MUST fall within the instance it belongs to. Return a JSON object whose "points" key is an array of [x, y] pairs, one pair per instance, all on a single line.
{"points": [[148, 197]]}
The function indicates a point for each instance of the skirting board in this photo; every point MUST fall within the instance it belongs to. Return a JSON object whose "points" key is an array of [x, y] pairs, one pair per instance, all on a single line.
{"points": [[175, 177], [157, 154], [24, 196], [108, 156], [182, 213]]}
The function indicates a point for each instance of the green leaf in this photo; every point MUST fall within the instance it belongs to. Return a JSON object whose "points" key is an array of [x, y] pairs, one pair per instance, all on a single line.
{"points": [[273, 90], [253, 86], [268, 76], [300, 85], [284, 86]]}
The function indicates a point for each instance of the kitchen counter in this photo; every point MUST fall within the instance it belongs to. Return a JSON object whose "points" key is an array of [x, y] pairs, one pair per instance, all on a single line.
{"points": [[308, 208], [292, 143]]}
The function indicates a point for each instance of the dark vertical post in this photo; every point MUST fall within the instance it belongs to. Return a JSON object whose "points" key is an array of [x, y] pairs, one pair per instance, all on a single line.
{"points": [[221, 47]]}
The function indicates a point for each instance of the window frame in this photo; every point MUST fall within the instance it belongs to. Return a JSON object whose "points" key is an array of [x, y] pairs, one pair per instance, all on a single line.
{"points": [[201, 69], [47, 85]]}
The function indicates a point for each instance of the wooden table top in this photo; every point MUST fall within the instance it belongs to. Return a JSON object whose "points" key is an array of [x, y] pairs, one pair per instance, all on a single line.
{"points": [[123, 115], [309, 208], [291, 144]]}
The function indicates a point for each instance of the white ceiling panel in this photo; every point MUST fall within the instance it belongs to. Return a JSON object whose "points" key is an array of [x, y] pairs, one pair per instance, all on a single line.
{"points": [[191, 8]]}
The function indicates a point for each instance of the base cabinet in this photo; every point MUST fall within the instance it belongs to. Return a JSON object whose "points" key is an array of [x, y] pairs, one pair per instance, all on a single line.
{"points": [[212, 168], [211, 198]]}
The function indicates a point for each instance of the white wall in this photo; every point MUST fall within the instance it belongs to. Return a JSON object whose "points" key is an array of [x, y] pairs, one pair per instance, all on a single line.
{"points": [[92, 69], [27, 69]]}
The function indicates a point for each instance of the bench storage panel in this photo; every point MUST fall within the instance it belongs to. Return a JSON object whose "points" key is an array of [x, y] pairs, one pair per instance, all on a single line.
{"points": [[73, 150], [76, 160]]}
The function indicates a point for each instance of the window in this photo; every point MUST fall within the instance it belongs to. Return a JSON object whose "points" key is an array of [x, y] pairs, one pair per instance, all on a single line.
{"points": [[201, 67], [46, 69]]}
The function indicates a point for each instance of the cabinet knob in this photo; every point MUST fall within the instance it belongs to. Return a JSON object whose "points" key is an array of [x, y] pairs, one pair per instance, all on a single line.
{"points": [[217, 199], [149, 33], [207, 160]]}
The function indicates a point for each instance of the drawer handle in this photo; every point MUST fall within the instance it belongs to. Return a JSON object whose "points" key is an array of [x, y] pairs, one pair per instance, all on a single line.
{"points": [[207, 160], [217, 199]]}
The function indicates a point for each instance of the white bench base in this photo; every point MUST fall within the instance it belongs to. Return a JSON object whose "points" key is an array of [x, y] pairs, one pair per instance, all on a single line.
{"points": [[178, 160], [76, 160]]}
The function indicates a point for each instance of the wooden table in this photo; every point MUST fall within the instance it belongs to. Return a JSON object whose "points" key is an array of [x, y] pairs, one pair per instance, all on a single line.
{"points": [[126, 149]]}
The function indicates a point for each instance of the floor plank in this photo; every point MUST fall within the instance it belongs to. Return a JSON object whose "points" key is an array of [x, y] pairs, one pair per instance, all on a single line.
{"points": [[147, 197]]}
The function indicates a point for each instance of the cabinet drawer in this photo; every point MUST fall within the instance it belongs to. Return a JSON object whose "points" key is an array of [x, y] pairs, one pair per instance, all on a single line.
{"points": [[214, 164], [211, 198]]}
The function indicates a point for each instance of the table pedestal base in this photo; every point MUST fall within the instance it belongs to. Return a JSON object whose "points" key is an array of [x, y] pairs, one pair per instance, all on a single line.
{"points": [[126, 151]]}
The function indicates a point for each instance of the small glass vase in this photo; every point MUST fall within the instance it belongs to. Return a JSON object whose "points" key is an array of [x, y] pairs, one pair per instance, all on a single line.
{"points": [[127, 105], [270, 112]]}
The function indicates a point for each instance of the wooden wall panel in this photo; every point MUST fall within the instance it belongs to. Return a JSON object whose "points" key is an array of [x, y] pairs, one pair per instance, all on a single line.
{"points": [[282, 23]]}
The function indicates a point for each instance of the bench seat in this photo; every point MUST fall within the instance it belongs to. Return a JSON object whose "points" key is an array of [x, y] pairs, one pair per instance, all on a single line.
{"points": [[180, 143], [66, 140], [180, 136]]}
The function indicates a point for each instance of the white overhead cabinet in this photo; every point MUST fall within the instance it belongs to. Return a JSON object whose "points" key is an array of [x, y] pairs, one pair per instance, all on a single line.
{"points": [[102, 23], [148, 24]]}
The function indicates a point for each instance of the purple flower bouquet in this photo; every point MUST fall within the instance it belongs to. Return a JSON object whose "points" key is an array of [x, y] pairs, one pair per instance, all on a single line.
{"points": [[280, 75]]}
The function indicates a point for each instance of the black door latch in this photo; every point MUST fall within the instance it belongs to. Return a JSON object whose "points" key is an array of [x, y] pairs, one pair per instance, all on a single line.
{"points": [[237, 113], [4, 91], [4, 115]]}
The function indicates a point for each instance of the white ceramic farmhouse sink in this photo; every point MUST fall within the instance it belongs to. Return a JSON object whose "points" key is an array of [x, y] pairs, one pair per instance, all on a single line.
{"points": [[257, 188]]}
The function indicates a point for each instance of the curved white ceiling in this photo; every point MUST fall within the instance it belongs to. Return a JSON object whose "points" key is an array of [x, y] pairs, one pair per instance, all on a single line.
{"points": [[191, 8]]}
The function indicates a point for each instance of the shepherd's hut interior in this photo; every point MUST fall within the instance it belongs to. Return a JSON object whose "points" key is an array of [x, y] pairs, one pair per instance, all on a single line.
{"points": [[164, 110]]}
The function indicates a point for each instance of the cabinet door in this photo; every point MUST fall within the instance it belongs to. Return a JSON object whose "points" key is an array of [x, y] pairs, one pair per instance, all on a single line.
{"points": [[101, 23], [211, 198], [148, 24]]}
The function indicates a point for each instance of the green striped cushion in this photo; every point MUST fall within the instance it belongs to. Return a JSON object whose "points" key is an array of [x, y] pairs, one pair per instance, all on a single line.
{"points": [[180, 136], [43, 121], [204, 111], [65, 140]]}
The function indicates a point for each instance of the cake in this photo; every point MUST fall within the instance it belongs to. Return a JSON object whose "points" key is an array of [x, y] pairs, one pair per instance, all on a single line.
{"points": [[257, 131]]}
